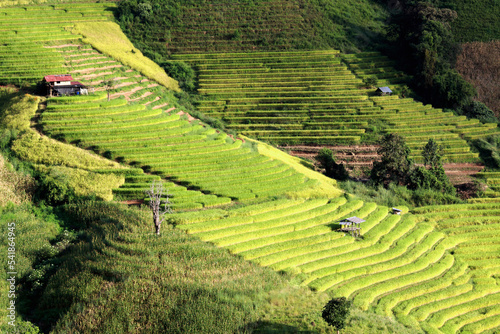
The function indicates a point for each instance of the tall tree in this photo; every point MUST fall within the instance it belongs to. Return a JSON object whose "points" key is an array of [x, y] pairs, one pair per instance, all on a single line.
{"points": [[109, 85], [432, 154], [395, 162], [155, 194], [421, 30], [434, 177]]}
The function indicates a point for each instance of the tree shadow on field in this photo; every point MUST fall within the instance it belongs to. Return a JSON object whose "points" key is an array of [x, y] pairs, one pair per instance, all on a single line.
{"points": [[268, 327]]}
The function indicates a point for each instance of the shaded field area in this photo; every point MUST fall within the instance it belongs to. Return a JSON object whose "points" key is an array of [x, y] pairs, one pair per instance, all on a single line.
{"points": [[479, 63]]}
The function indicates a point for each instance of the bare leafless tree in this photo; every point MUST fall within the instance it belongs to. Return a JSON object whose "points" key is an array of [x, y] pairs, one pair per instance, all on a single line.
{"points": [[158, 196], [109, 85]]}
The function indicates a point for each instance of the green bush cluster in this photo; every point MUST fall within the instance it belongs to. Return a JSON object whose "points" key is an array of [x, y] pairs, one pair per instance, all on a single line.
{"points": [[38, 238], [332, 168]]}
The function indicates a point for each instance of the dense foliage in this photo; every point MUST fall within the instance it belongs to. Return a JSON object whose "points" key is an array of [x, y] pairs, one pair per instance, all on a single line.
{"points": [[396, 167], [336, 312], [395, 163], [161, 27], [476, 21], [332, 169], [427, 48], [38, 239], [480, 111], [489, 150], [181, 72]]}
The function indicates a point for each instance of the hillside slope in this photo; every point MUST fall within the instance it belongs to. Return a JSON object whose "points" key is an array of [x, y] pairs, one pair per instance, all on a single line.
{"points": [[435, 268], [222, 26]]}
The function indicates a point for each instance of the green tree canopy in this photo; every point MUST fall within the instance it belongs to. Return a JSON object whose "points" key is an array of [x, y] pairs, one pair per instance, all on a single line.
{"points": [[432, 154], [332, 168], [336, 311], [395, 162]]}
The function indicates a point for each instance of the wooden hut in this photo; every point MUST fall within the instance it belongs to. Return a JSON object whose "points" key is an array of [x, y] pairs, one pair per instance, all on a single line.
{"points": [[396, 211], [352, 225], [382, 91], [63, 84]]}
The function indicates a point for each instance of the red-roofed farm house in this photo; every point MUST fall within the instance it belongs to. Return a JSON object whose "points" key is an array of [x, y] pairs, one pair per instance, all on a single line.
{"points": [[63, 84]]}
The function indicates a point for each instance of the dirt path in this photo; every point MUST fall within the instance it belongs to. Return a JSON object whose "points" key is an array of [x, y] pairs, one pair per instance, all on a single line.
{"points": [[181, 113]]}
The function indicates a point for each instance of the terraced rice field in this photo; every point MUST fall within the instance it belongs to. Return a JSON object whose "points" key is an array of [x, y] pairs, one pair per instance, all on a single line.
{"points": [[282, 97], [374, 65], [235, 26], [417, 123], [208, 168], [172, 147], [24, 31], [437, 267], [320, 98], [492, 181]]}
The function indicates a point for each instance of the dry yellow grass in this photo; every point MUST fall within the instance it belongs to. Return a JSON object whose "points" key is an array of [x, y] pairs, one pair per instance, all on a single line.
{"points": [[108, 38], [43, 150], [86, 183], [19, 112], [14, 187]]}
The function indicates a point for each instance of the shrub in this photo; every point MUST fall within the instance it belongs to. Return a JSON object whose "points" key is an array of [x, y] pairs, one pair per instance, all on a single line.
{"points": [[332, 169], [480, 111], [54, 188], [181, 72], [451, 90], [489, 150], [336, 312], [433, 178]]}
